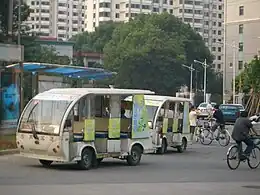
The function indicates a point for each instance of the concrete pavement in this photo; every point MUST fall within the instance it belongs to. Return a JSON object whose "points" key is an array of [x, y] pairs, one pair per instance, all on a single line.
{"points": [[201, 170]]}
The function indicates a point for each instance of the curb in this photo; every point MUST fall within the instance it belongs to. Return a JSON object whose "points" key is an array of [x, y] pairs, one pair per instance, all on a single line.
{"points": [[11, 151]]}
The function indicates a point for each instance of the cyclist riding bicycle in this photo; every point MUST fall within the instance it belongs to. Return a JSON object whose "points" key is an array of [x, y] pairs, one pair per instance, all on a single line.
{"points": [[241, 133], [218, 115]]}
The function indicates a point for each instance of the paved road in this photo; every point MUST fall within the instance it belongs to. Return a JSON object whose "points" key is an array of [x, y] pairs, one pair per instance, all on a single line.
{"points": [[200, 170]]}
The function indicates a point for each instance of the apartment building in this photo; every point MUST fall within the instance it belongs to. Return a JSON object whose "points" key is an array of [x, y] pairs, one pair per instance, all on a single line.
{"points": [[242, 27], [56, 18], [204, 16]]}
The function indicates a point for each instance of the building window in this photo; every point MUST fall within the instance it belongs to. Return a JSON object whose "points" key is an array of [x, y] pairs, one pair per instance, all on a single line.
{"points": [[230, 65], [104, 14], [105, 5], [219, 49], [220, 16], [145, 7], [241, 10], [240, 65], [171, 2], [171, 11], [155, 9], [241, 46], [220, 7], [219, 66], [219, 24], [219, 32], [117, 6], [213, 48], [241, 28], [117, 15], [219, 57]]}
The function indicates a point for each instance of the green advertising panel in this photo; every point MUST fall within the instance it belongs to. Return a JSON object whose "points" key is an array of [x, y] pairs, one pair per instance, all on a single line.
{"points": [[140, 119], [89, 130], [114, 128]]}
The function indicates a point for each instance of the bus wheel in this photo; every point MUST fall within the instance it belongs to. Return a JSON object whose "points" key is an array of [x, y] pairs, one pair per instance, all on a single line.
{"points": [[183, 146], [86, 159], [46, 163], [135, 157]]}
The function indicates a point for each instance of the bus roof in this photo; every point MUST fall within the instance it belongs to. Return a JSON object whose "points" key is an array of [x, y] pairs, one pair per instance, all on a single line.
{"points": [[156, 100], [71, 94]]}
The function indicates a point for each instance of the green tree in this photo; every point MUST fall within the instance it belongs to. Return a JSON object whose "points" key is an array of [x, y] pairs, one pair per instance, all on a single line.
{"points": [[94, 41], [147, 52], [4, 14], [249, 79]]}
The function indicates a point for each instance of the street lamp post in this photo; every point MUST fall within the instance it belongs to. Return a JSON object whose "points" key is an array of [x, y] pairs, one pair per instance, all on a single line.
{"points": [[191, 69], [204, 64], [234, 48], [234, 71]]}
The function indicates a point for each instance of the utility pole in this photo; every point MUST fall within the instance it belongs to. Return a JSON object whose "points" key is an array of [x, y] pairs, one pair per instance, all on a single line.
{"points": [[204, 64], [10, 20], [191, 69], [234, 71], [19, 22]]}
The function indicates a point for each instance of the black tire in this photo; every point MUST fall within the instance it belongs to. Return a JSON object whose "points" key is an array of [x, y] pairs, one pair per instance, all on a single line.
{"points": [[163, 148], [206, 137], [135, 157], [255, 154], [99, 160], [46, 163], [87, 159], [231, 156], [226, 137], [183, 146]]}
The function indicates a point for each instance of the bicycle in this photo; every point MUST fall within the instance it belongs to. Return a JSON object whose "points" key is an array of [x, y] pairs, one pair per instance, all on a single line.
{"points": [[207, 136], [238, 153]]}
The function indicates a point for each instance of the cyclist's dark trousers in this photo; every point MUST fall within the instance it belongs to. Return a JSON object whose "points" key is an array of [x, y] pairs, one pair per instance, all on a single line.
{"points": [[250, 145], [216, 125]]}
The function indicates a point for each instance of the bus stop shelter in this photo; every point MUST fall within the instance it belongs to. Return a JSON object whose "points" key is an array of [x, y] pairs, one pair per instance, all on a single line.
{"points": [[12, 94]]}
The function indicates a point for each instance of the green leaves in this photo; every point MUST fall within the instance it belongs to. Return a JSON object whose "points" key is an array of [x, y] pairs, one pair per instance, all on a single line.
{"points": [[147, 52], [249, 79]]}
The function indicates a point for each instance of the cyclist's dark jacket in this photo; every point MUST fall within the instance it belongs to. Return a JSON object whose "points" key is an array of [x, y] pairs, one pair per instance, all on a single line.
{"points": [[241, 129], [218, 115]]}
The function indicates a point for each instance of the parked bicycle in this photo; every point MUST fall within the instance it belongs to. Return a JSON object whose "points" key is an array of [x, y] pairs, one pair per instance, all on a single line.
{"points": [[235, 152], [206, 136]]}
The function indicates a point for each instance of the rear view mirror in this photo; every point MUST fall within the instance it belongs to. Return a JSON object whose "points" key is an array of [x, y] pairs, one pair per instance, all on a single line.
{"points": [[150, 124]]}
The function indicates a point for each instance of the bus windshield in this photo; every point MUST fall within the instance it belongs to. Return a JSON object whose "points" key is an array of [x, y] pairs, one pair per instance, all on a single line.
{"points": [[151, 111], [44, 115]]}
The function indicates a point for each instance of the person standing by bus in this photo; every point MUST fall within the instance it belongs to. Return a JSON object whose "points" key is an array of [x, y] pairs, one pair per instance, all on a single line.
{"points": [[193, 121]]}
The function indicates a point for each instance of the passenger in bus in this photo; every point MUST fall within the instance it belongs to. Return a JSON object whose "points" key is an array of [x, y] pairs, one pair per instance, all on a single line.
{"points": [[123, 113]]}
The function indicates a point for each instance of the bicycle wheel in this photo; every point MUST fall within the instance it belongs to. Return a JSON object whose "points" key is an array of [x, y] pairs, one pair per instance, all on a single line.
{"points": [[206, 137], [233, 160], [254, 159], [224, 138]]}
